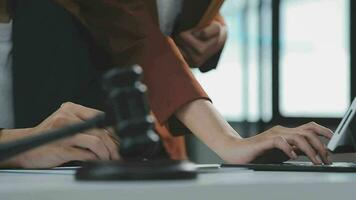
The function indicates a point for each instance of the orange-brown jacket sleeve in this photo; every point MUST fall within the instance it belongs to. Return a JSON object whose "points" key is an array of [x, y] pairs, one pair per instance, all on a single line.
{"points": [[127, 31], [219, 18]]}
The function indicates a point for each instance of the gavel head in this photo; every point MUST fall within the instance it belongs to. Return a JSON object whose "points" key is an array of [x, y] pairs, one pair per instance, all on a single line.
{"points": [[130, 112]]}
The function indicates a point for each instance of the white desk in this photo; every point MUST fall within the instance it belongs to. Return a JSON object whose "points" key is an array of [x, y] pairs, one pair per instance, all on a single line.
{"points": [[239, 184]]}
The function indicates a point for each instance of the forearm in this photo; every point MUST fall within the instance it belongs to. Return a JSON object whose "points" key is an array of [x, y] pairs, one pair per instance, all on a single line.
{"points": [[7, 135], [207, 124]]}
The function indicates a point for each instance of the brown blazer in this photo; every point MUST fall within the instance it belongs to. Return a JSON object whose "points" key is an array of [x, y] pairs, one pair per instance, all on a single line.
{"points": [[129, 32]]}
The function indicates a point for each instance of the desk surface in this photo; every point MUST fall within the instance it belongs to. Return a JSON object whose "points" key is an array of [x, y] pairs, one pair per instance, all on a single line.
{"points": [[222, 184]]}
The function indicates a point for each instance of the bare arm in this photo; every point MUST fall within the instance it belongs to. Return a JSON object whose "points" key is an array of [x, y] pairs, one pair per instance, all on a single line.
{"points": [[206, 122], [208, 125]]}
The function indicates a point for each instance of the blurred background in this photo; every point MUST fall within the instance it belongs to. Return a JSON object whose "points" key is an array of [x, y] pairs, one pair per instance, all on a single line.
{"points": [[286, 62]]}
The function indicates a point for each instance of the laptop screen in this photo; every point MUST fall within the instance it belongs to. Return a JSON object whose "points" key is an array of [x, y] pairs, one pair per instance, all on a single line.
{"points": [[345, 134]]}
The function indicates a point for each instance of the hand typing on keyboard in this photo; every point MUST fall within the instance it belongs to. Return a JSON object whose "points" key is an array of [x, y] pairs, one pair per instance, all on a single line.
{"points": [[304, 139]]}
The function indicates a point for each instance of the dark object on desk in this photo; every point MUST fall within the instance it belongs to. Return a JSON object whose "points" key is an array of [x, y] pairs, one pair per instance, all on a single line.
{"points": [[138, 142], [148, 170], [130, 114], [274, 160], [298, 167]]}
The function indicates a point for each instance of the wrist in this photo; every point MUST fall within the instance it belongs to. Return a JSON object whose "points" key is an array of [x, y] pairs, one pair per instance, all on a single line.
{"points": [[8, 135], [227, 143], [208, 125]]}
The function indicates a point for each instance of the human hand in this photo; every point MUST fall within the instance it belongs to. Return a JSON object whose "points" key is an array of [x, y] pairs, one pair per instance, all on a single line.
{"points": [[197, 46], [303, 138], [95, 144]]}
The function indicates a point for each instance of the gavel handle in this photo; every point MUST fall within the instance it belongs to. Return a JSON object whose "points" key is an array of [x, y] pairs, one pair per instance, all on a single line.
{"points": [[13, 148]]}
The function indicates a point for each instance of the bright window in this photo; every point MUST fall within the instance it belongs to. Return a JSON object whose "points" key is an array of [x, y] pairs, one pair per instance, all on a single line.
{"points": [[233, 87], [314, 58]]}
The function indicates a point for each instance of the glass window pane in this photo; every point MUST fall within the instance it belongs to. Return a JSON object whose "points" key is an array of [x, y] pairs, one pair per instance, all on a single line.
{"points": [[224, 85], [314, 62]]}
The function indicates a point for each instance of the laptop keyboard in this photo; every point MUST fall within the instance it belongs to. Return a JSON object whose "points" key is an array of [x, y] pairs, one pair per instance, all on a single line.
{"points": [[309, 164], [298, 167]]}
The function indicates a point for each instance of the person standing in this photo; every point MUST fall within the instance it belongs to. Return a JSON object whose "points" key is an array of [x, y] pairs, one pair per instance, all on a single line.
{"points": [[128, 31], [56, 58]]}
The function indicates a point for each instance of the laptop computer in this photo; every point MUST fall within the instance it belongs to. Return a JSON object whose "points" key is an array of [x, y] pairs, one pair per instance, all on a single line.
{"points": [[344, 136]]}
